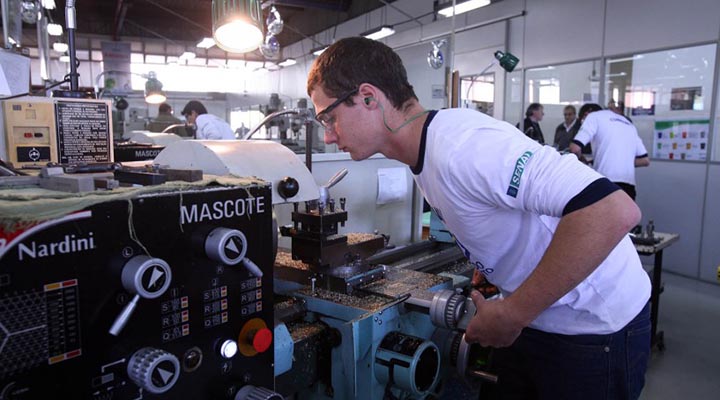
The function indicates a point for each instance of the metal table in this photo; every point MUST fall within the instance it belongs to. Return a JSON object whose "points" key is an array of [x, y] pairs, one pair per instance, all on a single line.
{"points": [[666, 239]]}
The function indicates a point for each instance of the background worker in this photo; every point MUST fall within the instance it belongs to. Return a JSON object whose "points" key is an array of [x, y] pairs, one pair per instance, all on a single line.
{"points": [[617, 147], [207, 126], [166, 118]]}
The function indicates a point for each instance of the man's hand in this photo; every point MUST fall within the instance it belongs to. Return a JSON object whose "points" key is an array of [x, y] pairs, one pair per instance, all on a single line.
{"points": [[494, 323]]}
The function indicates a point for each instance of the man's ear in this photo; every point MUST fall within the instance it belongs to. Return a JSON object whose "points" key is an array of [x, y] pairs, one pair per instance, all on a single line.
{"points": [[369, 93]]}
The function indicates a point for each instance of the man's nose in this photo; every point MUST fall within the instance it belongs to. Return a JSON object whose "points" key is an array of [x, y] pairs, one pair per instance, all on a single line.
{"points": [[330, 136]]}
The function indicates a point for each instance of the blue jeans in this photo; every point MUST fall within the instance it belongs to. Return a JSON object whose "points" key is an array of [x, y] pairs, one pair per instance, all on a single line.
{"points": [[541, 365]]}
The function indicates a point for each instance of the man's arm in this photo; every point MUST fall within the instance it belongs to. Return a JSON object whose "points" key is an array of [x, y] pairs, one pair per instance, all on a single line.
{"points": [[577, 150], [642, 161], [582, 240]]}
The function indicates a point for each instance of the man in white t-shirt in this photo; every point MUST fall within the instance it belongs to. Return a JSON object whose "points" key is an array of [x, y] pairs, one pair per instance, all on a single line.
{"points": [[550, 232], [617, 148], [207, 126]]}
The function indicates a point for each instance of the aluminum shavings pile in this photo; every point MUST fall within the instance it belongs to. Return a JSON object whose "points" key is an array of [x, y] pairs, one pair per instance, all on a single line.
{"points": [[284, 259]]}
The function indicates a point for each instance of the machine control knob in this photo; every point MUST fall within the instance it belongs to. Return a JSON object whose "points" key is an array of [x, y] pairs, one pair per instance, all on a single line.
{"points": [[451, 310], [250, 392], [454, 310], [226, 246], [288, 187], [228, 349], [262, 339], [146, 276], [154, 370]]}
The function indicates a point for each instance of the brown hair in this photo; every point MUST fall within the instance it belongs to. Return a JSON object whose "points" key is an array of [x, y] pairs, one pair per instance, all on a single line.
{"points": [[356, 60]]}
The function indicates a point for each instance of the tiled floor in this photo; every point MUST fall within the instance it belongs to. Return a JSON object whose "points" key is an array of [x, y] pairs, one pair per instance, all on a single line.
{"points": [[689, 368]]}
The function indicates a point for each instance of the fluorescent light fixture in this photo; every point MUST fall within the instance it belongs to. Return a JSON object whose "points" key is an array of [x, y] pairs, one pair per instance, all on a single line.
{"points": [[254, 64], [65, 58], [54, 29], [379, 33], [188, 55], [288, 62], [48, 4], [635, 57], [236, 63], [270, 66], [462, 7], [206, 43], [319, 50], [60, 47]]}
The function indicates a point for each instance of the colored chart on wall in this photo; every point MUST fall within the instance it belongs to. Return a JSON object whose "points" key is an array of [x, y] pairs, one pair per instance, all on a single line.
{"points": [[681, 139]]}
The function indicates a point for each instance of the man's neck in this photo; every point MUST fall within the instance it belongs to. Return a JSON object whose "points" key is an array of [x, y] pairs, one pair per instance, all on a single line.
{"points": [[533, 119], [569, 125], [404, 145]]}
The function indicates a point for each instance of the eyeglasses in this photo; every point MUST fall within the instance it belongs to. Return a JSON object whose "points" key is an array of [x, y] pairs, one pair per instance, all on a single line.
{"points": [[324, 117]]}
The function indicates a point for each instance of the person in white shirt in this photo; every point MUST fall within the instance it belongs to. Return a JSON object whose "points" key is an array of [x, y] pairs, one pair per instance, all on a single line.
{"points": [[550, 232], [207, 126], [617, 147]]}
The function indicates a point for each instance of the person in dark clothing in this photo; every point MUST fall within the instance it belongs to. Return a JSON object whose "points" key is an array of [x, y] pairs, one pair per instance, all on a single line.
{"points": [[565, 132], [531, 127]]}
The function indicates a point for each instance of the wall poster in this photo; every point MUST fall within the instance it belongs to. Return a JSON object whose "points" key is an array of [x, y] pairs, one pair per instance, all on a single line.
{"points": [[681, 139]]}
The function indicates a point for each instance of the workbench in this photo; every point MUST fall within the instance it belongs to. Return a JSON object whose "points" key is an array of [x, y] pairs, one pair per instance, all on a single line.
{"points": [[666, 239]]}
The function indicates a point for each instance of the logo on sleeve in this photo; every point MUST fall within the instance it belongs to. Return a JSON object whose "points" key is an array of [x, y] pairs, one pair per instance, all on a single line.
{"points": [[517, 173]]}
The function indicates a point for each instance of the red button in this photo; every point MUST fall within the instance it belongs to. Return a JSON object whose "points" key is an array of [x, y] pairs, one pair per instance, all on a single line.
{"points": [[28, 135], [262, 340]]}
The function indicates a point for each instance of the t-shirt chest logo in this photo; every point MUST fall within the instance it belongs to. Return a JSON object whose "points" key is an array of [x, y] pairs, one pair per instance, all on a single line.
{"points": [[514, 186]]}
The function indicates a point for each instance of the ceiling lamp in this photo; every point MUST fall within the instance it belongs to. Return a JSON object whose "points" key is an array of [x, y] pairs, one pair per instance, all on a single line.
{"points": [[153, 89], [237, 25], [462, 7], [379, 33]]}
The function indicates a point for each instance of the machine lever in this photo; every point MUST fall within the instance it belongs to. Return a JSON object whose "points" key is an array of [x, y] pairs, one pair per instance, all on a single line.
{"points": [[336, 178], [124, 316], [484, 376], [252, 267], [324, 190]]}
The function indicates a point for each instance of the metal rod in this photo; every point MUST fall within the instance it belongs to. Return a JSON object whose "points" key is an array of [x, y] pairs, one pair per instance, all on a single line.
{"points": [[6, 31], [70, 21], [308, 144]]}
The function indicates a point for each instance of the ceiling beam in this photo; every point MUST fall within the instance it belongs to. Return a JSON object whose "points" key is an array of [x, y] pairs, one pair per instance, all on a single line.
{"points": [[338, 5], [119, 20]]}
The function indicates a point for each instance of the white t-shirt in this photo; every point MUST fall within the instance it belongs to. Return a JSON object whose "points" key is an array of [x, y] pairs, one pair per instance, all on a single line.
{"points": [[502, 194], [615, 144], [213, 128]]}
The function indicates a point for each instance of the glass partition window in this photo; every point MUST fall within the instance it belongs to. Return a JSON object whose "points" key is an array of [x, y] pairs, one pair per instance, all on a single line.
{"points": [[478, 92], [187, 78], [557, 86], [667, 94]]}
